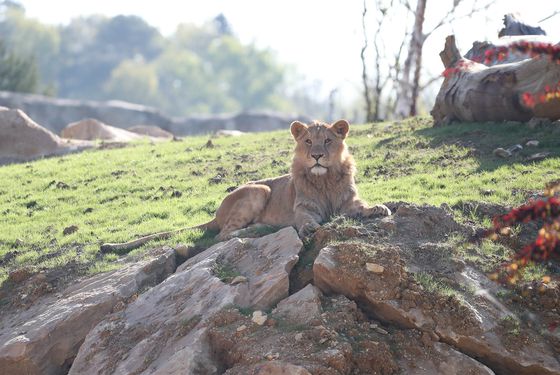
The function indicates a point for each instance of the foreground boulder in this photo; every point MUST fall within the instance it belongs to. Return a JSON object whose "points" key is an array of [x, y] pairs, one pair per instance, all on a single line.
{"points": [[45, 338], [166, 329], [411, 286], [22, 139], [92, 129]]}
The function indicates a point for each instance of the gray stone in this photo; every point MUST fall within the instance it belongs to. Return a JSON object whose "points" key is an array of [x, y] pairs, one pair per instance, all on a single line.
{"points": [[165, 330], [301, 307], [45, 338]]}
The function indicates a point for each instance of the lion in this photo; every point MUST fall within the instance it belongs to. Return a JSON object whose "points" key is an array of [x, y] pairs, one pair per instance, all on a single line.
{"points": [[320, 185]]}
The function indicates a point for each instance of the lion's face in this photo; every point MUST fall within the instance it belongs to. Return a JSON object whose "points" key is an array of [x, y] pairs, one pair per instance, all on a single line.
{"points": [[319, 146]]}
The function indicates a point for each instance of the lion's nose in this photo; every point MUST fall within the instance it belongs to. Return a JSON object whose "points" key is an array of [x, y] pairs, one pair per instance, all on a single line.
{"points": [[317, 156]]}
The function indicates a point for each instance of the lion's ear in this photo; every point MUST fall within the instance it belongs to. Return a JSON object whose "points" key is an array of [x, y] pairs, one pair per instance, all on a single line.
{"points": [[341, 128], [297, 128]]}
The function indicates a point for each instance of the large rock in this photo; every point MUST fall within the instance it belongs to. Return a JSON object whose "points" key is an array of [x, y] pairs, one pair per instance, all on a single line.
{"points": [[151, 131], [45, 338], [53, 113], [22, 139], [301, 307], [414, 246], [92, 129], [165, 330]]}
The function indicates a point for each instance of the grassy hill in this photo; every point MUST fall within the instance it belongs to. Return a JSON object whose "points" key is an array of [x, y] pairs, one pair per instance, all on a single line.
{"points": [[114, 195]]}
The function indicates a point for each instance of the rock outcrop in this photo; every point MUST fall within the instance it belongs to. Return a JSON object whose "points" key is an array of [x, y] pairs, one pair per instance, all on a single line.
{"points": [[22, 139], [151, 131], [45, 338], [92, 129], [55, 113], [166, 329]]}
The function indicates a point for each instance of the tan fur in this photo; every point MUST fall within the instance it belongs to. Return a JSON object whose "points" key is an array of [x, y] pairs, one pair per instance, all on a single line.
{"points": [[306, 197], [320, 185]]}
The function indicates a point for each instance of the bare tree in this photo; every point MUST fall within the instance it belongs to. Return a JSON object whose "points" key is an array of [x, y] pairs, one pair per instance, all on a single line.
{"points": [[365, 79], [409, 76]]}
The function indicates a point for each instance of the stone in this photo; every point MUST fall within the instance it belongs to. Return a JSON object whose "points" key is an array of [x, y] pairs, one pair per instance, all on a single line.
{"points": [[515, 148], [300, 307], [275, 367], [374, 267], [22, 139], [259, 317], [45, 338], [166, 329], [238, 280], [228, 133], [538, 156], [533, 143], [502, 153], [471, 327], [69, 230], [92, 129], [151, 131]]}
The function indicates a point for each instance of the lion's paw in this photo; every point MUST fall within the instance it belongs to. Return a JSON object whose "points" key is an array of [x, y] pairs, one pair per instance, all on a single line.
{"points": [[378, 210], [307, 229]]}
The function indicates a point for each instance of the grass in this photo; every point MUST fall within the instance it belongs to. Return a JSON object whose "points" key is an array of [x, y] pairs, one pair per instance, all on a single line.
{"points": [[115, 195]]}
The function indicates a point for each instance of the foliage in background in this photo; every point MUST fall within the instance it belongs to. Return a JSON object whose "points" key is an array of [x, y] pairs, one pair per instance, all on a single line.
{"points": [[16, 73], [198, 69]]}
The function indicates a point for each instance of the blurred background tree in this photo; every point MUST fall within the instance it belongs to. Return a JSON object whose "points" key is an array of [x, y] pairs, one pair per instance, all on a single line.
{"points": [[197, 69]]}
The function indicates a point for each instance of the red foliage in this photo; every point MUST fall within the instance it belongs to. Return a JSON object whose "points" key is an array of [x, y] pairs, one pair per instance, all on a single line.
{"points": [[547, 243]]}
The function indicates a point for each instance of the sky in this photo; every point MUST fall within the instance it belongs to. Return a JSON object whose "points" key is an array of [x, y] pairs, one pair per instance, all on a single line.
{"points": [[322, 39]]}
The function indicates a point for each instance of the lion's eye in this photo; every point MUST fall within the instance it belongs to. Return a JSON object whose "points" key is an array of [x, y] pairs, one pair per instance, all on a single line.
{"points": [[308, 141], [327, 141]]}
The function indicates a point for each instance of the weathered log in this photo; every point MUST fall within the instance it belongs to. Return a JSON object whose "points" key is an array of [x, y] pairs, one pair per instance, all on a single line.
{"points": [[475, 92]]}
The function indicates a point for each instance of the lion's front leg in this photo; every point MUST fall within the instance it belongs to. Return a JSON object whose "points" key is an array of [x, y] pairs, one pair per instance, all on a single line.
{"points": [[307, 222], [359, 208]]}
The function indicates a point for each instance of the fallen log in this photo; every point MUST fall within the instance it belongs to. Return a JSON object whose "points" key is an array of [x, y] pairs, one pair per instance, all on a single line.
{"points": [[472, 91]]}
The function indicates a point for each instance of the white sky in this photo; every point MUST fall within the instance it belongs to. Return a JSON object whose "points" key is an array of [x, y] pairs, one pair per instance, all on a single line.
{"points": [[322, 38]]}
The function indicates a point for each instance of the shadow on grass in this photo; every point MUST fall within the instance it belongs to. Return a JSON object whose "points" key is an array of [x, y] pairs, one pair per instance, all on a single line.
{"points": [[483, 138]]}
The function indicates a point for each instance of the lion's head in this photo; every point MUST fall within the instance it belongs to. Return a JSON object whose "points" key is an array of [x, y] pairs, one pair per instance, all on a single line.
{"points": [[320, 147]]}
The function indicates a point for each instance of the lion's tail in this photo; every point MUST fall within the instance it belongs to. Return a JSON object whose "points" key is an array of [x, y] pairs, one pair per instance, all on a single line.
{"points": [[133, 244]]}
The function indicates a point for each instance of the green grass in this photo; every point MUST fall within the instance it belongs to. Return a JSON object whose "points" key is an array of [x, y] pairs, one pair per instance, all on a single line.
{"points": [[115, 195]]}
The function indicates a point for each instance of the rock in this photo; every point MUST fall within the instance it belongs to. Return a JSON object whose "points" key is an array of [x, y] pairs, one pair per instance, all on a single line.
{"points": [[472, 326], [301, 307], [238, 280], [228, 133], [45, 338], [274, 367], [22, 139], [515, 148], [165, 330], [151, 131], [259, 317], [209, 144], [92, 129], [500, 152], [375, 268], [241, 328], [70, 229], [533, 143], [538, 156]]}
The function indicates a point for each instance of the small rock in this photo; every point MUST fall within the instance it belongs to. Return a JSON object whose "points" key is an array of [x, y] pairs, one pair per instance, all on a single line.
{"points": [[272, 356], [381, 330], [241, 328], [533, 143], [69, 230], [375, 268], [515, 148], [500, 152], [18, 242], [538, 156], [184, 250], [62, 185], [209, 144], [88, 210], [259, 317], [176, 194], [299, 336], [238, 280], [537, 121]]}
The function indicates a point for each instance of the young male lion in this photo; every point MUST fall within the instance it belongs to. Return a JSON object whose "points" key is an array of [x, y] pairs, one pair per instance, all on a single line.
{"points": [[320, 185]]}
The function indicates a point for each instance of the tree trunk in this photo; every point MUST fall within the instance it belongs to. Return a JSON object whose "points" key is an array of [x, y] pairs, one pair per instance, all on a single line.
{"points": [[475, 92], [409, 88]]}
